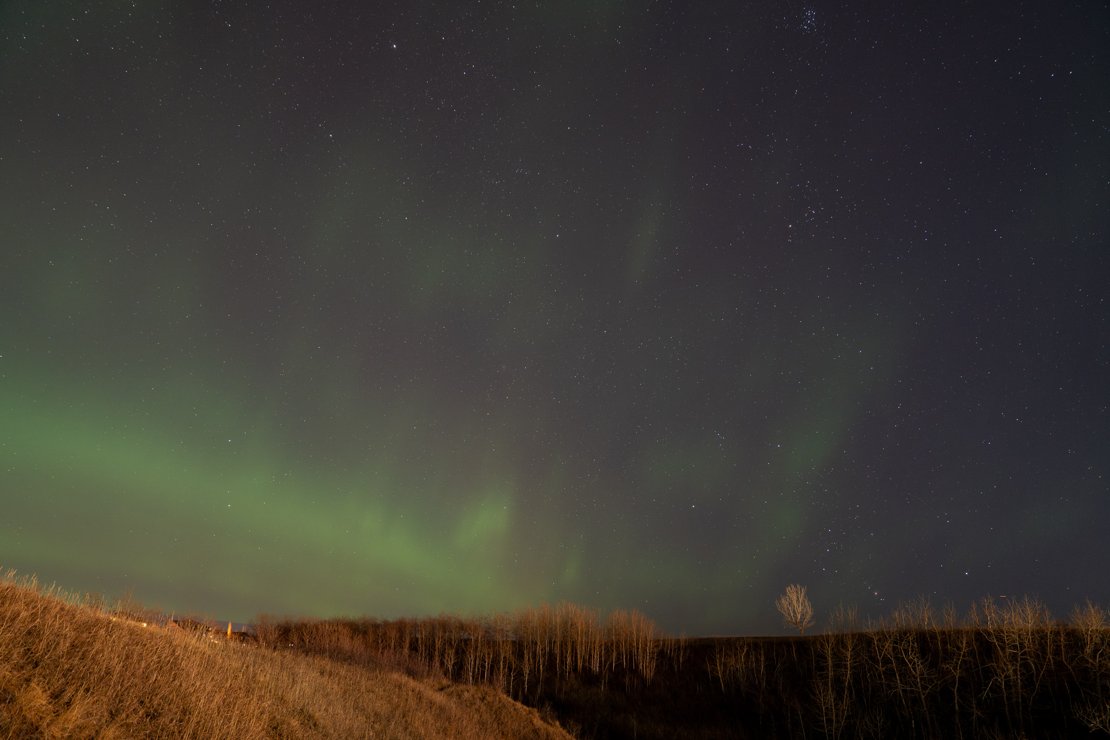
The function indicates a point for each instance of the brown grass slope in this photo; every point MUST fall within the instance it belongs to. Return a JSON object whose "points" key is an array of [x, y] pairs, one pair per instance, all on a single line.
{"points": [[68, 669]]}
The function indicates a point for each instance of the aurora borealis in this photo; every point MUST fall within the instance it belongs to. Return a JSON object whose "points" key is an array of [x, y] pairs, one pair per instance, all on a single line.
{"points": [[417, 307]]}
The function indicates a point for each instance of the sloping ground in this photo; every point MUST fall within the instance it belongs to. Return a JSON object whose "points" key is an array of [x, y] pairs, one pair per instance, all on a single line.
{"points": [[69, 670]]}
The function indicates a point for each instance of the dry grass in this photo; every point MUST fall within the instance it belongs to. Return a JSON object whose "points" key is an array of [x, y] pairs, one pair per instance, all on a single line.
{"points": [[68, 668]]}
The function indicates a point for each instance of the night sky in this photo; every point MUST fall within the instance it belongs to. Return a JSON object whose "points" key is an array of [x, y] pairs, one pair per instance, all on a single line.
{"points": [[400, 308]]}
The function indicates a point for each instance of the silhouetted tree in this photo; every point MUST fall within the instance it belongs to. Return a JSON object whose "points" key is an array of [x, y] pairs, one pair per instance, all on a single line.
{"points": [[795, 608]]}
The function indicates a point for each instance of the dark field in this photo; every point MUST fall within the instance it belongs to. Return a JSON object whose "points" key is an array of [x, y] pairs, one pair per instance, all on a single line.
{"points": [[1006, 670]]}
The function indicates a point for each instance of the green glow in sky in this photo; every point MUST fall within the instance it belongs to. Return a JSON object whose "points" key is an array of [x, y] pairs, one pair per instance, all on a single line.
{"points": [[461, 307]]}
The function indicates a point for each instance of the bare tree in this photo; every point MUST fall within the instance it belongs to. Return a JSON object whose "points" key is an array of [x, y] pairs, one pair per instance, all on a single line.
{"points": [[795, 608]]}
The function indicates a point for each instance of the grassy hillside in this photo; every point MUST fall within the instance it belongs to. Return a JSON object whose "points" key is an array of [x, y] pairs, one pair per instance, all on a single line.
{"points": [[1005, 670], [72, 669]]}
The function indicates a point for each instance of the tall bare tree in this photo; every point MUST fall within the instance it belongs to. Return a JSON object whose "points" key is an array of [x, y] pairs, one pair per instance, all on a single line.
{"points": [[795, 608]]}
